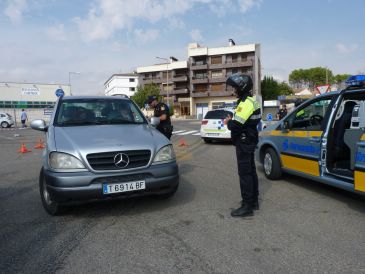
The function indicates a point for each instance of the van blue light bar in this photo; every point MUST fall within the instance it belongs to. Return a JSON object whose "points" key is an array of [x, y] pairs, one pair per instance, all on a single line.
{"points": [[356, 81]]}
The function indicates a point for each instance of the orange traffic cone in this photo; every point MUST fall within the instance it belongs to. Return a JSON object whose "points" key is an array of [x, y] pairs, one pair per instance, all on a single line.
{"points": [[40, 145], [182, 143], [23, 149]]}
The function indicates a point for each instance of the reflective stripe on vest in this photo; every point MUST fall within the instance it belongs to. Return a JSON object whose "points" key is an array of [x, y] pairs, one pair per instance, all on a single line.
{"points": [[245, 110]]}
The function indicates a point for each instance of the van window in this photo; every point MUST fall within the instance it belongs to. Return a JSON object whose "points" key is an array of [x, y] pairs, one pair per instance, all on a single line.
{"points": [[217, 114]]}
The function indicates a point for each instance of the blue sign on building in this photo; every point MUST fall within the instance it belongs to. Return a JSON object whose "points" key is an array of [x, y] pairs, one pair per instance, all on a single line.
{"points": [[59, 92]]}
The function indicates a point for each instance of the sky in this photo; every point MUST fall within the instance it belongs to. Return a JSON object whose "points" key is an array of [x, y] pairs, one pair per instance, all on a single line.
{"points": [[42, 41]]}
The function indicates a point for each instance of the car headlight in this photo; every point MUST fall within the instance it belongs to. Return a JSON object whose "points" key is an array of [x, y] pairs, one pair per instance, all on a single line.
{"points": [[165, 154], [59, 160]]}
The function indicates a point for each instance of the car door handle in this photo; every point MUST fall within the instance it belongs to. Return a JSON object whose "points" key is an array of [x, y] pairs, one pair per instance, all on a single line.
{"points": [[315, 140]]}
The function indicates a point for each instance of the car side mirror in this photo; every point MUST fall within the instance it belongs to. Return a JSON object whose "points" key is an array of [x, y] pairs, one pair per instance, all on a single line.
{"points": [[39, 125], [155, 121]]}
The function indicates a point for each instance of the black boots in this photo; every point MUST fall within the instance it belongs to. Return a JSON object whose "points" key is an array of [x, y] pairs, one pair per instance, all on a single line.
{"points": [[243, 211], [255, 206]]}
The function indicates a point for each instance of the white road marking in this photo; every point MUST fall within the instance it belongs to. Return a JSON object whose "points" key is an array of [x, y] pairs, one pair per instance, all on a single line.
{"points": [[179, 131], [197, 134], [7, 138], [188, 132]]}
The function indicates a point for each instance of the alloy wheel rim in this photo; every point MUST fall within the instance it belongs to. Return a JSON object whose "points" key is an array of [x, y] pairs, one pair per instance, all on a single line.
{"points": [[267, 164]]}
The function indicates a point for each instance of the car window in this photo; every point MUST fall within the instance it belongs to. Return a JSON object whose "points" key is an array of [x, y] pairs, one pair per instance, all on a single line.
{"points": [[217, 114], [80, 112], [310, 117]]}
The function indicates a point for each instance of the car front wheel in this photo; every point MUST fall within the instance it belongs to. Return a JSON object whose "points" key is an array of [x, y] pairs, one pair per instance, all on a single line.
{"points": [[4, 124], [52, 207], [272, 166]]}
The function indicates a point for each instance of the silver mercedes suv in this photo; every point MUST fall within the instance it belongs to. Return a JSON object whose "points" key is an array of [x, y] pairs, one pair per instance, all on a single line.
{"points": [[101, 148]]}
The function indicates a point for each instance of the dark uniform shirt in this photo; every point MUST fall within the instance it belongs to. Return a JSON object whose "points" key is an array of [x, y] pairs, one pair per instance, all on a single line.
{"points": [[161, 109], [282, 113]]}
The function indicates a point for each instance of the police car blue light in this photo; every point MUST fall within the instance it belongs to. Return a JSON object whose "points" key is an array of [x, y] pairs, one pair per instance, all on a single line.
{"points": [[356, 81]]}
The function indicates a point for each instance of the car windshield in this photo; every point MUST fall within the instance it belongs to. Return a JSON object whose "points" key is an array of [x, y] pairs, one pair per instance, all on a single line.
{"points": [[82, 112], [217, 114]]}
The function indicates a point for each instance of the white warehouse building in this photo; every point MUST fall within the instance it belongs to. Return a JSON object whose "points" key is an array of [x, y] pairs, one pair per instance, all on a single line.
{"points": [[37, 99], [121, 84]]}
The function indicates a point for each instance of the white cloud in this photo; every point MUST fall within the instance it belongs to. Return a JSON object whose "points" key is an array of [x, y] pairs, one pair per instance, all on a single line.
{"points": [[196, 35], [108, 16], [176, 23], [345, 49], [146, 36], [56, 33], [14, 10], [245, 5]]}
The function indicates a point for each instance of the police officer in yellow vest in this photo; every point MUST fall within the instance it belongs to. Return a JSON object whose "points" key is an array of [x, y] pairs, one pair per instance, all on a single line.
{"points": [[244, 133]]}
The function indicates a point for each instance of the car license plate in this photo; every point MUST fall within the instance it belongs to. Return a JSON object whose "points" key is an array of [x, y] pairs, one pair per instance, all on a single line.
{"points": [[123, 187], [212, 134]]}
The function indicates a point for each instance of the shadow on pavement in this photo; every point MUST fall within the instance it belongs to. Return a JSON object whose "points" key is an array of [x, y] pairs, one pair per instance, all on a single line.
{"points": [[352, 200]]}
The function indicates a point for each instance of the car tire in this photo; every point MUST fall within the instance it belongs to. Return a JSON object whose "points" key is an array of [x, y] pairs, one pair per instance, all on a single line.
{"points": [[167, 195], [52, 207], [271, 164], [4, 124], [207, 141]]}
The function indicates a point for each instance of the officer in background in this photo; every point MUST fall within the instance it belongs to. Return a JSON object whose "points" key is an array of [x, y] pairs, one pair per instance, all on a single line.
{"points": [[244, 134], [161, 111], [282, 112]]}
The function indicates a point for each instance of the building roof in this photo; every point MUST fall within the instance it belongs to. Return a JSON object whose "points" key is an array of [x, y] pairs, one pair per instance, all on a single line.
{"points": [[122, 74]]}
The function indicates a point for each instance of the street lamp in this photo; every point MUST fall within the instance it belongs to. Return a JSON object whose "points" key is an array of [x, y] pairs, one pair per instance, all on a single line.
{"points": [[167, 77], [69, 78]]}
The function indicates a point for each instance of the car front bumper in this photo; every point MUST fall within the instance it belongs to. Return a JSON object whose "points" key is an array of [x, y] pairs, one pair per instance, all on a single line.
{"points": [[79, 186]]}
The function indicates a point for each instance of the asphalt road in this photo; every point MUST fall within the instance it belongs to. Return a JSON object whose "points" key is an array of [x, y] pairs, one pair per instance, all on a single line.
{"points": [[302, 226]]}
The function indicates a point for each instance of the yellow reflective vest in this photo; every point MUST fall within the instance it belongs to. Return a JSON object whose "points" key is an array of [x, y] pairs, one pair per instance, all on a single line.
{"points": [[245, 110]]}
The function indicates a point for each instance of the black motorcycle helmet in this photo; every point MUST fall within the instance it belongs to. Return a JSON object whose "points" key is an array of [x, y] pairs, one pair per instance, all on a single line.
{"points": [[241, 83]]}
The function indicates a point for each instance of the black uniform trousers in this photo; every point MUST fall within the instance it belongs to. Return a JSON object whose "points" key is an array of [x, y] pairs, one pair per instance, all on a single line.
{"points": [[247, 173]]}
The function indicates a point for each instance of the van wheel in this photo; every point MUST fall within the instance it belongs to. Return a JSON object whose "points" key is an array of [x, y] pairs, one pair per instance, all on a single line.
{"points": [[4, 124], [207, 141], [272, 166], [52, 207]]}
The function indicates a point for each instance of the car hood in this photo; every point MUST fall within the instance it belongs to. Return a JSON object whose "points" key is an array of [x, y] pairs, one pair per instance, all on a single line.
{"points": [[82, 140]]}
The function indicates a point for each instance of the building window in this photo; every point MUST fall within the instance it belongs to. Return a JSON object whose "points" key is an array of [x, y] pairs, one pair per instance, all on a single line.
{"points": [[217, 74], [200, 88], [131, 79], [200, 76], [132, 89], [216, 60], [216, 87]]}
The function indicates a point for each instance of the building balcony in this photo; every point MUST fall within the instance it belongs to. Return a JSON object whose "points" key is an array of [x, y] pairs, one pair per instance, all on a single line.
{"points": [[147, 81], [223, 93], [217, 66], [195, 94], [175, 91], [180, 78], [218, 79], [199, 80], [243, 63], [198, 66]]}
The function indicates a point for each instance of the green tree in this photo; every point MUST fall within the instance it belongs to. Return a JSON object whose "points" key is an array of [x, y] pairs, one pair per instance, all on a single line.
{"points": [[311, 77], [271, 89], [142, 94], [340, 78]]}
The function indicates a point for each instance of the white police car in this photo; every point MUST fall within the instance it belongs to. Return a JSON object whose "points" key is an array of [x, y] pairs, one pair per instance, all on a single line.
{"points": [[213, 126], [323, 139]]}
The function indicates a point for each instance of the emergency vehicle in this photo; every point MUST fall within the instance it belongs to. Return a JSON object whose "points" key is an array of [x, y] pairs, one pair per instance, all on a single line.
{"points": [[323, 139]]}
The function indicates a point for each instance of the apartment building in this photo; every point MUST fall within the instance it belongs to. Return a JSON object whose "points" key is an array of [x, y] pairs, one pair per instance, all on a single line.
{"points": [[121, 84], [199, 84], [173, 80]]}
